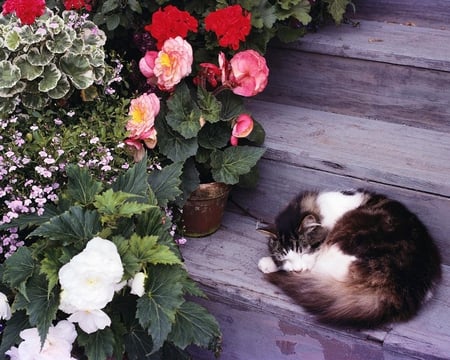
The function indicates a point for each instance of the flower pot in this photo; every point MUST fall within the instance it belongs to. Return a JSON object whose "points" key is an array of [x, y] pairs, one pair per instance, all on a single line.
{"points": [[203, 211]]}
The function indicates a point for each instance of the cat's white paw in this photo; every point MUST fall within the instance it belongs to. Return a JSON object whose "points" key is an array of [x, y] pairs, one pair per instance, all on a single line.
{"points": [[267, 265]]}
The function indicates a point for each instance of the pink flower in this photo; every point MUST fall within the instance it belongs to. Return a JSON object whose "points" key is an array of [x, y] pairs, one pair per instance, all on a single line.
{"points": [[241, 129], [173, 63], [249, 73], [141, 124], [146, 66]]}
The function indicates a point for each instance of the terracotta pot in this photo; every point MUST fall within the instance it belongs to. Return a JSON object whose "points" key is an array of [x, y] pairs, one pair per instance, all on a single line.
{"points": [[203, 211]]}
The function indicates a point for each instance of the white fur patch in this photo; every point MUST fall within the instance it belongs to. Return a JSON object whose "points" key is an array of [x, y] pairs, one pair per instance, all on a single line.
{"points": [[331, 261], [266, 265], [294, 261], [333, 205]]}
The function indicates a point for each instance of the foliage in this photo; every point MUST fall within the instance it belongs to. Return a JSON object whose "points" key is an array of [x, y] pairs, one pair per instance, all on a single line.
{"points": [[48, 59], [127, 214]]}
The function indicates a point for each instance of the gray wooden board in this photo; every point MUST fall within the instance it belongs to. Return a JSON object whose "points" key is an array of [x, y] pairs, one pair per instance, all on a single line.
{"points": [[384, 42], [379, 151], [225, 263], [253, 335], [280, 182], [362, 88], [431, 13]]}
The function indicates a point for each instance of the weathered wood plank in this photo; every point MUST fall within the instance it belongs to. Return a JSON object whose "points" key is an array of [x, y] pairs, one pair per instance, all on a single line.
{"points": [[280, 182], [382, 152], [431, 13], [382, 42], [367, 89], [226, 266]]}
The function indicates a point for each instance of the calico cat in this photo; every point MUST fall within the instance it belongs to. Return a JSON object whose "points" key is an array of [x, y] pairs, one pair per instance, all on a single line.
{"points": [[352, 258]]}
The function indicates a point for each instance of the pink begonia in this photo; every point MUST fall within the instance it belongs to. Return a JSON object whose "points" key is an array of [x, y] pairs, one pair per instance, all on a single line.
{"points": [[141, 125], [242, 128], [146, 66], [173, 63], [249, 73], [57, 345]]}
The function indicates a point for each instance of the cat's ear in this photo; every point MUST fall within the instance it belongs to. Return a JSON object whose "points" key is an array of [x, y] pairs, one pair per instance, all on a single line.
{"points": [[308, 222], [267, 229]]}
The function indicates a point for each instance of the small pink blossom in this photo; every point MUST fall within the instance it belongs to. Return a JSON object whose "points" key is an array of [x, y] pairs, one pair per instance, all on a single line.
{"points": [[173, 63], [248, 72], [141, 125], [146, 66], [242, 128]]}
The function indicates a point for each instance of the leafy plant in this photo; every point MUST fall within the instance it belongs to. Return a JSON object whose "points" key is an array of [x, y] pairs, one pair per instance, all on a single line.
{"points": [[147, 319]]}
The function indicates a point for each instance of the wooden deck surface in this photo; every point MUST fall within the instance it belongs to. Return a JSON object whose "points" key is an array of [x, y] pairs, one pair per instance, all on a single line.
{"points": [[249, 308]]}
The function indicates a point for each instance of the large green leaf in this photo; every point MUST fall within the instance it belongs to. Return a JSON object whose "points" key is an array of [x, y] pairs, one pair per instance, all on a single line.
{"points": [[60, 43], [173, 144], [138, 344], [28, 71], [166, 182], [234, 161], [337, 9], [18, 267], [99, 345], [147, 251], [194, 325], [39, 56], [42, 306], [61, 89], [214, 136], [134, 180], [9, 74], [10, 335], [209, 105], [50, 266], [75, 225], [183, 115], [156, 310], [81, 186], [50, 78], [78, 69], [12, 40]]}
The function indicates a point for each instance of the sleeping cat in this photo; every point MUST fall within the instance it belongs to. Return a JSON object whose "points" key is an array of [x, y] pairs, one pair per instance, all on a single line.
{"points": [[352, 258]]}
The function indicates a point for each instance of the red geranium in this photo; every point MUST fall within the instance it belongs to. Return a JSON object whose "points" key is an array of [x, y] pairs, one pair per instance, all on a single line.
{"points": [[26, 10], [170, 22], [77, 5], [231, 25]]}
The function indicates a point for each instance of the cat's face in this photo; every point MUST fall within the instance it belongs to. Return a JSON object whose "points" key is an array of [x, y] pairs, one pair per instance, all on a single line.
{"points": [[306, 239]]}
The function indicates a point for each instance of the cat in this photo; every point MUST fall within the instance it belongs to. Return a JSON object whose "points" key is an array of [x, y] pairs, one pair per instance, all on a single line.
{"points": [[352, 258]]}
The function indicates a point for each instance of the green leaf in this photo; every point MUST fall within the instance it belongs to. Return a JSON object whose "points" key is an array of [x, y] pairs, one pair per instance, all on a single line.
{"points": [[97, 346], [183, 115], [166, 183], [60, 43], [72, 226], [156, 310], [50, 266], [110, 5], [78, 69], [173, 144], [209, 105], [112, 21], [138, 344], [19, 267], [9, 74], [337, 9], [10, 335], [61, 89], [12, 40], [234, 161], [42, 306], [28, 71], [232, 105], [134, 180], [50, 78], [135, 6], [39, 56], [214, 136], [194, 325], [147, 251]]}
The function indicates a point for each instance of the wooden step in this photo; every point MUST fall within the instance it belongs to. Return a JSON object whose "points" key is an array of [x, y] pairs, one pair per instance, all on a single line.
{"points": [[259, 322], [376, 70], [431, 13], [315, 150]]}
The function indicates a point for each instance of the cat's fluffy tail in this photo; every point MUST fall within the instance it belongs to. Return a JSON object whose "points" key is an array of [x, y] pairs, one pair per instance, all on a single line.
{"points": [[336, 302]]}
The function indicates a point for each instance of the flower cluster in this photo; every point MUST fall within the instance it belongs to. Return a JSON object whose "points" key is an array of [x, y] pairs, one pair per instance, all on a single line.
{"points": [[26, 11]]}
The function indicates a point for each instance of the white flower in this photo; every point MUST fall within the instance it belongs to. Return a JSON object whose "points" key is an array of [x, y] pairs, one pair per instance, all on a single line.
{"points": [[57, 345], [90, 321], [90, 279], [5, 310], [137, 284]]}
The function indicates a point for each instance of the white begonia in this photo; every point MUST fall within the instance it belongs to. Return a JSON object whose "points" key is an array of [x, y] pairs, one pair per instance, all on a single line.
{"points": [[90, 321], [57, 345], [89, 281], [5, 309], [137, 284]]}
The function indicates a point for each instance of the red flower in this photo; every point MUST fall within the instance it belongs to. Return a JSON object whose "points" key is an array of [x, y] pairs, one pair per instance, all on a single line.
{"points": [[26, 10], [231, 25], [77, 5], [170, 22]]}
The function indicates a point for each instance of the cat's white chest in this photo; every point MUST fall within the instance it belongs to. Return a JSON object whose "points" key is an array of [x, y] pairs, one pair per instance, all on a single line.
{"points": [[333, 205]]}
